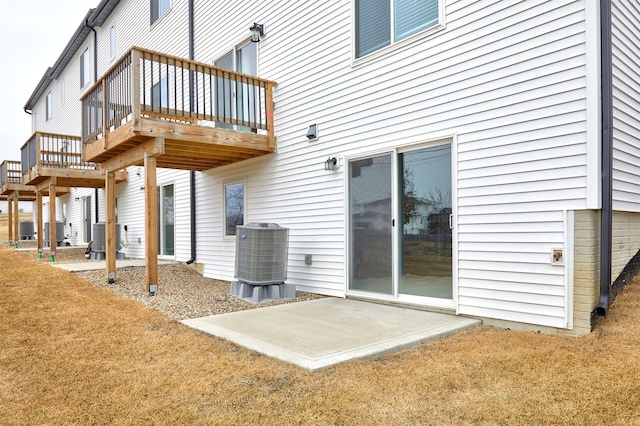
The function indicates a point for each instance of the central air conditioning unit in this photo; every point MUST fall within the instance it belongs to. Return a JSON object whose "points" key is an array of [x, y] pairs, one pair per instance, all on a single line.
{"points": [[26, 230], [261, 253], [261, 263], [59, 233], [99, 244]]}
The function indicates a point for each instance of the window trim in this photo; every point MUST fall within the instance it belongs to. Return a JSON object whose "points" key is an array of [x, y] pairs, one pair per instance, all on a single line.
{"points": [[62, 91], [112, 41], [394, 46], [48, 105], [225, 235]]}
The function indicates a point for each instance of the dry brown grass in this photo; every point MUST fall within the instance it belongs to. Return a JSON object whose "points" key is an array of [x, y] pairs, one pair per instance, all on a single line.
{"points": [[74, 354]]}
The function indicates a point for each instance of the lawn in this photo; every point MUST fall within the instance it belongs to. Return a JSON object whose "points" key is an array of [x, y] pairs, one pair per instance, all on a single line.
{"points": [[71, 353]]}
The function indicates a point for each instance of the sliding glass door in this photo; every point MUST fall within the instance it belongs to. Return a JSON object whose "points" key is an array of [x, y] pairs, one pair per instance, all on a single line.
{"points": [[370, 222], [425, 249], [400, 210]]}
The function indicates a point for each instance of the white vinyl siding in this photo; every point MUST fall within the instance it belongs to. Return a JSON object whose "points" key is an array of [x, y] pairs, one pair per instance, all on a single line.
{"points": [[626, 105]]}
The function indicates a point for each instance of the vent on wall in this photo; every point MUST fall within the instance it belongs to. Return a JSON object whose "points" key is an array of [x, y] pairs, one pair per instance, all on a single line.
{"points": [[261, 253]]}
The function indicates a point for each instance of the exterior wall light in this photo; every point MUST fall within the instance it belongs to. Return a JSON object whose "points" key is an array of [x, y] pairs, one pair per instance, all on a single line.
{"points": [[257, 31], [330, 164]]}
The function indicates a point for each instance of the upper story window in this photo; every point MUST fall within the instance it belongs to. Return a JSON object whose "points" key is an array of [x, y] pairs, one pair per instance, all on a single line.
{"points": [[62, 92], [380, 23], [158, 8], [84, 68], [49, 106], [112, 42]]}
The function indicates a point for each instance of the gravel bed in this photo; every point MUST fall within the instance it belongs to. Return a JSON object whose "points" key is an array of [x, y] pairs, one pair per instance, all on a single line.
{"points": [[182, 292]]}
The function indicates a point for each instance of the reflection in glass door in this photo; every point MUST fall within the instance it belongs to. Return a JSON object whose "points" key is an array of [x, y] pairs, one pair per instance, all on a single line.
{"points": [[425, 237], [370, 217]]}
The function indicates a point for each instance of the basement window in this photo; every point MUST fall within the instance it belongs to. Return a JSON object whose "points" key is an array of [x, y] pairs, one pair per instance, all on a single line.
{"points": [[233, 207]]}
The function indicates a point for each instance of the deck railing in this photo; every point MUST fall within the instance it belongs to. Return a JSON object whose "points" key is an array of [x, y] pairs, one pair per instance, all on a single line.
{"points": [[54, 151], [10, 172], [154, 85]]}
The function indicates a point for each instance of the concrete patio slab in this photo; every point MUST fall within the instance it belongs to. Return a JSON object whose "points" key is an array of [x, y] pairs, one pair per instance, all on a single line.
{"points": [[319, 333]]}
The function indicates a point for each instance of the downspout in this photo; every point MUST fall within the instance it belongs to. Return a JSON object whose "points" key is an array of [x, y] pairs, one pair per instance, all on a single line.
{"points": [[192, 175], [606, 215], [95, 79]]}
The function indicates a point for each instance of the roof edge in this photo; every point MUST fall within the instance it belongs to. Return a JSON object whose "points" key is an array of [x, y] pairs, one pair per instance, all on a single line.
{"points": [[94, 17]]}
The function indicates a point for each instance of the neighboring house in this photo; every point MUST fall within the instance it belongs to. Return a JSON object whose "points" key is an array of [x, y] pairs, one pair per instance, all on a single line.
{"points": [[503, 108]]}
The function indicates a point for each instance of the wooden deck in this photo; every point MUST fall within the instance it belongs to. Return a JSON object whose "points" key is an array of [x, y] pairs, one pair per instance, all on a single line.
{"points": [[56, 160], [186, 114], [11, 182], [50, 164], [156, 110]]}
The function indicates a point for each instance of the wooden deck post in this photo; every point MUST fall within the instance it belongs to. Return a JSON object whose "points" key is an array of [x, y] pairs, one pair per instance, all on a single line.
{"points": [[10, 224], [135, 88], [269, 110], [53, 241], [39, 222], [16, 217], [110, 228], [151, 225]]}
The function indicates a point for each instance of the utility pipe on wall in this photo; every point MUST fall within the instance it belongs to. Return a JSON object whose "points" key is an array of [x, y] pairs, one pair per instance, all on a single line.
{"points": [[192, 175], [606, 215]]}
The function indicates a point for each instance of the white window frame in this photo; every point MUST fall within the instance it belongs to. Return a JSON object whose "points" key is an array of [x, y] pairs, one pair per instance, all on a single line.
{"points": [[112, 41], [161, 12], [62, 94], [393, 44], [85, 68], [48, 106], [224, 206]]}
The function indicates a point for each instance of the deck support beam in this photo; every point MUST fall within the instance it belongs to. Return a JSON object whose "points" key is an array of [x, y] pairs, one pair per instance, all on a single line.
{"points": [[10, 224], [39, 222], [16, 217], [151, 225], [110, 226], [53, 239]]}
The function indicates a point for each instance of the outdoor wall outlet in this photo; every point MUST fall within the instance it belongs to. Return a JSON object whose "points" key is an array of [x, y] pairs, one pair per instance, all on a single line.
{"points": [[139, 240], [307, 259], [557, 256]]}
